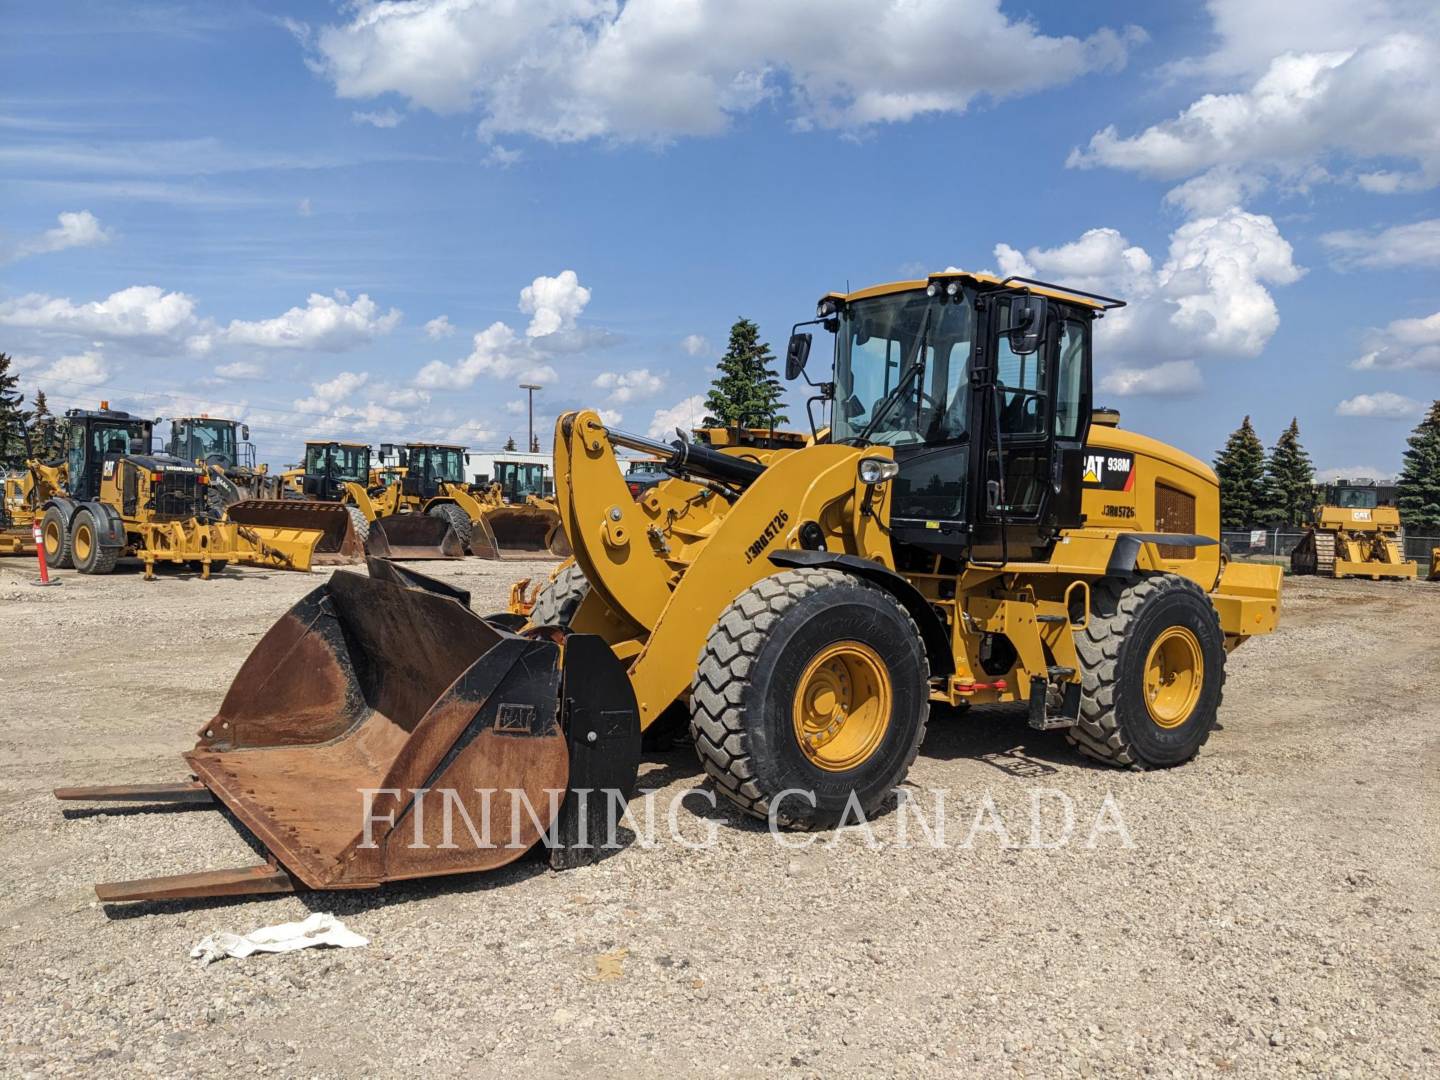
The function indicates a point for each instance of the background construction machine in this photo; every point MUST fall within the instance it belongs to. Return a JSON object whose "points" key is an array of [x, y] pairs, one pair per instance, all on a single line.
{"points": [[963, 534], [110, 496], [1353, 536], [224, 448]]}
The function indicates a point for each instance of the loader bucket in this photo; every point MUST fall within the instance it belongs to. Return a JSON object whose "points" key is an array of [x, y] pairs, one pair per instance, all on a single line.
{"points": [[522, 530], [382, 731], [413, 536], [338, 543]]}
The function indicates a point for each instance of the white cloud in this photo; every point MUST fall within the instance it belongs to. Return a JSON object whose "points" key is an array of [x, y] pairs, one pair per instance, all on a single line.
{"points": [[1381, 405], [504, 156], [82, 369], [76, 228], [1208, 298], [1353, 472], [1175, 378], [328, 392], [567, 70], [241, 369], [694, 344], [439, 327], [1403, 343], [325, 323], [497, 352], [304, 208], [470, 433], [609, 417], [139, 312], [1416, 244], [1310, 116], [623, 386], [685, 414], [381, 118], [554, 302]]}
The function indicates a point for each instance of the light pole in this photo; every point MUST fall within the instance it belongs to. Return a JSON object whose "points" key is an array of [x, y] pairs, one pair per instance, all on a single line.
{"points": [[531, 388]]}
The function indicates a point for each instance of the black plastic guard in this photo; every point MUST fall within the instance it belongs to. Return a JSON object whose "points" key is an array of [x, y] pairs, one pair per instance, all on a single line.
{"points": [[602, 724], [1126, 551]]}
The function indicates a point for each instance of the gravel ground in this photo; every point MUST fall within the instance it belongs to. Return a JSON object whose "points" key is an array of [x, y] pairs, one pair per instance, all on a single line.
{"points": [[1274, 909]]}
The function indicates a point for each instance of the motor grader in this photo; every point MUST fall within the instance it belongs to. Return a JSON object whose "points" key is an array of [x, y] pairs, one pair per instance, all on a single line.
{"points": [[111, 496], [961, 532], [1351, 535]]}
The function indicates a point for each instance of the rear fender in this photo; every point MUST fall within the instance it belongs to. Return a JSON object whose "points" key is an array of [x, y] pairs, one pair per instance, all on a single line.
{"points": [[109, 525]]}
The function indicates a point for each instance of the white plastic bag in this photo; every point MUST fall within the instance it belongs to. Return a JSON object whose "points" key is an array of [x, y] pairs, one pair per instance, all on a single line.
{"points": [[320, 928]]}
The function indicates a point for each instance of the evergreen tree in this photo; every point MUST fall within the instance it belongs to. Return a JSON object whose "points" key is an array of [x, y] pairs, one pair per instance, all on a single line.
{"points": [[1289, 480], [44, 431], [747, 391], [1241, 469], [1419, 487], [510, 445], [13, 418], [534, 444]]}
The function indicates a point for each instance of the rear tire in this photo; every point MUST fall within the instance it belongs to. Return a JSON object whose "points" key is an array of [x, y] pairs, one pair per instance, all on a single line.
{"points": [[560, 597], [793, 649], [55, 535], [1153, 672], [85, 550], [459, 521], [360, 523]]}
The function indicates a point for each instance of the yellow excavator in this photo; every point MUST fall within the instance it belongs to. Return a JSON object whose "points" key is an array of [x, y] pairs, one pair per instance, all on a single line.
{"points": [[1353, 536], [961, 531], [110, 496]]}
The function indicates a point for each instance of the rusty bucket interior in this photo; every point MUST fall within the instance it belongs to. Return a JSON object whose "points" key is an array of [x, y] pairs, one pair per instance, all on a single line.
{"points": [[382, 731], [523, 531], [413, 536], [338, 544]]}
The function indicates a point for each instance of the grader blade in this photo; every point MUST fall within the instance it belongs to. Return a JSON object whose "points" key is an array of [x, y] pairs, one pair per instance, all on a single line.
{"points": [[413, 536], [338, 543], [382, 731]]}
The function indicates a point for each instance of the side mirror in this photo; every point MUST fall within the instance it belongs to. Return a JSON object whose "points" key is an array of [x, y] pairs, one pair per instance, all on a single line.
{"points": [[244, 432], [1027, 323], [796, 355]]}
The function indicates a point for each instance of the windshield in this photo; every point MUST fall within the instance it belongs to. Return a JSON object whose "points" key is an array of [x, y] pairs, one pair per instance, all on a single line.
{"points": [[347, 462], [519, 479], [1358, 498], [437, 463], [113, 437], [213, 438], [876, 342]]}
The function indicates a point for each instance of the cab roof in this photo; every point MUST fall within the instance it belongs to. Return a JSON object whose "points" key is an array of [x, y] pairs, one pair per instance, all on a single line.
{"points": [[432, 446], [106, 414], [1080, 298], [337, 442]]}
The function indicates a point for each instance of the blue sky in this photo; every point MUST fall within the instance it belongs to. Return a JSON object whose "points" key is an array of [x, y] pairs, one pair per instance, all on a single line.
{"points": [[263, 209]]}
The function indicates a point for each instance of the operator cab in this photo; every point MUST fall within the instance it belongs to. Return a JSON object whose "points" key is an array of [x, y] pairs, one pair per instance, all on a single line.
{"points": [[981, 388], [519, 480], [96, 437], [427, 466], [330, 465], [225, 443]]}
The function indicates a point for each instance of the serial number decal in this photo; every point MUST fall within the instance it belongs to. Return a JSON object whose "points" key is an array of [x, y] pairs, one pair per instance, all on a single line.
{"points": [[1119, 511], [1109, 471], [761, 542]]}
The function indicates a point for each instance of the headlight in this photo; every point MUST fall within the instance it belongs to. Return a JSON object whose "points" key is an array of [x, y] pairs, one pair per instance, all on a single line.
{"points": [[953, 289], [874, 470], [933, 289], [825, 309]]}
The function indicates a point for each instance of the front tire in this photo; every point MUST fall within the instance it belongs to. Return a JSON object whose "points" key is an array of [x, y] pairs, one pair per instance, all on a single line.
{"points": [[459, 521], [88, 556], [359, 522], [1153, 672], [560, 597], [811, 681], [55, 535]]}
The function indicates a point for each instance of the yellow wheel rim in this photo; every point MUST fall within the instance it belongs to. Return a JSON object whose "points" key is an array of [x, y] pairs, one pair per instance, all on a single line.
{"points": [[1174, 677], [53, 539], [842, 706], [83, 542]]}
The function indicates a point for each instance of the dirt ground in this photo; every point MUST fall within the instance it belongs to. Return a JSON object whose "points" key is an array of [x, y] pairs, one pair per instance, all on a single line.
{"points": [[1269, 908]]}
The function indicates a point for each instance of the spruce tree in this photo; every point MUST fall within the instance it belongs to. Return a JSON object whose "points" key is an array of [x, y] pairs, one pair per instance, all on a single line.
{"points": [[510, 445], [1419, 487], [43, 429], [13, 418], [747, 391], [1289, 480], [1241, 469]]}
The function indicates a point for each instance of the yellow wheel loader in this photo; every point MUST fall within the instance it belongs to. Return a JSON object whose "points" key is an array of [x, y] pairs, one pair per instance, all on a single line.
{"points": [[222, 447], [1353, 536], [522, 510], [119, 499], [962, 533]]}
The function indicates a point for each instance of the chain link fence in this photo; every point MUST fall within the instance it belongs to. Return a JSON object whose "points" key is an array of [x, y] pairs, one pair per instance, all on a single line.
{"points": [[1275, 545]]}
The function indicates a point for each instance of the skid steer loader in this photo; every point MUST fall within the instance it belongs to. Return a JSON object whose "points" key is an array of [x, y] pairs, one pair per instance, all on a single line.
{"points": [[1352, 535], [116, 498], [962, 532]]}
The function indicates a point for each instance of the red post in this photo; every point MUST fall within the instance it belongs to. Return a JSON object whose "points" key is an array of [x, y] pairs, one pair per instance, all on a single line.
{"points": [[40, 554]]}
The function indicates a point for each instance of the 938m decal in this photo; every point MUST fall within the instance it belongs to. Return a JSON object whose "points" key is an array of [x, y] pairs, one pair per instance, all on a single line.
{"points": [[1110, 470]]}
